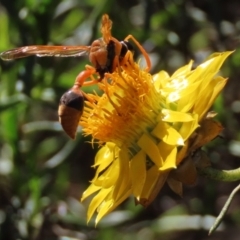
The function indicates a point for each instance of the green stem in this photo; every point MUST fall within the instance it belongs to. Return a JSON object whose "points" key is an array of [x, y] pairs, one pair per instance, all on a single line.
{"points": [[224, 210], [221, 175]]}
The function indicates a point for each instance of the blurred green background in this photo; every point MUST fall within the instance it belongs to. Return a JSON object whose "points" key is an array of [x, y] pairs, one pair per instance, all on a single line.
{"points": [[43, 173]]}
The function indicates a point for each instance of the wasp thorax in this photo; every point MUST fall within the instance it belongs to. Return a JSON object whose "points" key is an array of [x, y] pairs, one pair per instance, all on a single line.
{"points": [[98, 55]]}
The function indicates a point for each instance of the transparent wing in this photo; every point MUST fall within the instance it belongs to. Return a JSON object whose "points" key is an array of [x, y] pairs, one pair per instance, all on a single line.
{"points": [[45, 51]]}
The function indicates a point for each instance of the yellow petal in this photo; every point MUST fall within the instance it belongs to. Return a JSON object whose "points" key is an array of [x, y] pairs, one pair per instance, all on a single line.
{"points": [[206, 98], [217, 59], [104, 208], [209, 68], [138, 172], [96, 202], [174, 116], [124, 174], [111, 175], [101, 167], [168, 134], [90, 190], [169, 153], [219, 83], [188, 128], [153, 185], [187, 97], [183, 70], [203, 103], [147, 144], [105, 155], [110, 205], [151, 179], [160, 79]]}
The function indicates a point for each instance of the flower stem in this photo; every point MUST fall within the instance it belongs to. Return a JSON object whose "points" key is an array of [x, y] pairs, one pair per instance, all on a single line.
{"points": [[221, 175], [223, 211]]}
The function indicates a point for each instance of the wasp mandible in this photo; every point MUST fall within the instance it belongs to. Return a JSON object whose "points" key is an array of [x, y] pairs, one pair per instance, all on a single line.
{"points": [[106, 54]]}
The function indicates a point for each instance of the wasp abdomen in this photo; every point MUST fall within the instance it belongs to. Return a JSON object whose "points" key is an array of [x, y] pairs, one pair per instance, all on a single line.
{"points": [[70, 111]]}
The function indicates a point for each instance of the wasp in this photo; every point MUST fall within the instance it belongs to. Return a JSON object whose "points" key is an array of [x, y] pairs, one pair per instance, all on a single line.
{"points": [[106, 54]]}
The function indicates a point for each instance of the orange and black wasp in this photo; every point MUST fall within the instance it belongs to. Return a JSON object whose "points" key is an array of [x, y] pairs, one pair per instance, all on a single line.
{"points": [[106, 54]]}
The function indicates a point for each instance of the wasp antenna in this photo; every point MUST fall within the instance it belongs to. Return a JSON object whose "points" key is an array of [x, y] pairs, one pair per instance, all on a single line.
{"points": [[5, 56], [106, 28]]}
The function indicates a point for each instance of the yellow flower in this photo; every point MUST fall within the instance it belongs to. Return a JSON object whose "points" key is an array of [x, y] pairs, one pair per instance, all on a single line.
{"points": [[147, 125]]}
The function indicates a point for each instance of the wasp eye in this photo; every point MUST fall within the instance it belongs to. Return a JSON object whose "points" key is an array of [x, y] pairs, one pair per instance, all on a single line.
{"points": [[73, 99]]}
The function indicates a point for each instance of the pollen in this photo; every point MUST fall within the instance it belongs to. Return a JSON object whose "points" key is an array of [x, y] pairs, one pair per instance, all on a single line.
{"points": [[126, 110]]}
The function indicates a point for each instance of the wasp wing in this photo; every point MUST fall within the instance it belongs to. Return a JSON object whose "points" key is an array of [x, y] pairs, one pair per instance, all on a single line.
{"points": [[45, 51]]}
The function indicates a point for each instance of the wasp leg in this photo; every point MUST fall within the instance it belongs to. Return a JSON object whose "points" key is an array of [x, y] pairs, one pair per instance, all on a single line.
{"points": [[81, 80], [128, 58], [116, 64], [148, 61], [82, 76]]}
